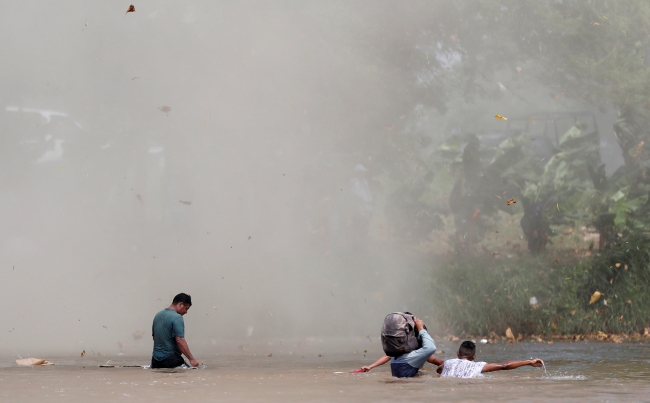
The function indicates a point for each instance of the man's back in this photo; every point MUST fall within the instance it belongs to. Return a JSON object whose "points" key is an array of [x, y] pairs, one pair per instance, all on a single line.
{"points": [[459, 368], [167, 324]]}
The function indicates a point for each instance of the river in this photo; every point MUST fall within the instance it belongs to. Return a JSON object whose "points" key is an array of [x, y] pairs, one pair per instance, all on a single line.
{"points": [[579, 371]]}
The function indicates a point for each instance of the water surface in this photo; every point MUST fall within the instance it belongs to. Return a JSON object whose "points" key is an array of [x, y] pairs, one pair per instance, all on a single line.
{"points": [[583, 371]]}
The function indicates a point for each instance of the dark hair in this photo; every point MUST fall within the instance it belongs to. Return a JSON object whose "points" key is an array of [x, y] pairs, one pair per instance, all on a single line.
{"points": [[467, 349], [184, 298]]}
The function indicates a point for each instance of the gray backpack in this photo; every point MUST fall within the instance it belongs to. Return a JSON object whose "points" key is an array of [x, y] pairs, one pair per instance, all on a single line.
{"points": [[398, 334]]}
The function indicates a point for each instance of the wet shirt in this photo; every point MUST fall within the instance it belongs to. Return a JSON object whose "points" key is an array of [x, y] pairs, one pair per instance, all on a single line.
{"points": [[167, 324], [457, 368], [417, 358]]}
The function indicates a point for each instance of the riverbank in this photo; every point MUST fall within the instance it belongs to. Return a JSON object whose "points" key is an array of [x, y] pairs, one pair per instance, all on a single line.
{"points": [[493, 338], [562, 294]]}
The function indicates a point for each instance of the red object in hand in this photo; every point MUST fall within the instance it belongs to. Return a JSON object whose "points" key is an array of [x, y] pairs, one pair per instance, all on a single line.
{"points": [[357, 371]]}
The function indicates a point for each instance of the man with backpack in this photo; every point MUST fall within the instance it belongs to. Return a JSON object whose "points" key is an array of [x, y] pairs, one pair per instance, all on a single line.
{"points": [[407, 345]]}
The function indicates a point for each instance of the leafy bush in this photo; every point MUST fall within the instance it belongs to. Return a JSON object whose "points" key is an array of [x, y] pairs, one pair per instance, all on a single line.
{"points": [[477, 295]]}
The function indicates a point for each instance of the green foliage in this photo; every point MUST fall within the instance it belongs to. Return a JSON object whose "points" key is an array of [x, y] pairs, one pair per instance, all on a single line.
{"points": [[477, 296], [623, 201], [488, 176], [483, 184], [565, 183]]}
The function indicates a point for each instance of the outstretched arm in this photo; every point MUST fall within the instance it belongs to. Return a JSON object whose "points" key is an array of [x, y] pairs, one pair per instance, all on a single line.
{"points": [[185, 349], [504, 366], [381, 361]]}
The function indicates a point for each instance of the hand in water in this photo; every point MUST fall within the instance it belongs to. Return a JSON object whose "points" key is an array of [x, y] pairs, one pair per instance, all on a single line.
{"points": [[194, 363], [536, 362]]}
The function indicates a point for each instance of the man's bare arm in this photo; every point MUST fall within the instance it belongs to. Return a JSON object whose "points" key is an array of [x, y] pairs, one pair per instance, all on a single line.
{"points": [[381, 361], [435, 360], [504, 366], [185, 349]]}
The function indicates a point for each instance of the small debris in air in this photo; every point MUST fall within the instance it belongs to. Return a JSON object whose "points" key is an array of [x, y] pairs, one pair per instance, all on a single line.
{"points": [[595, 297], [131, 9]]}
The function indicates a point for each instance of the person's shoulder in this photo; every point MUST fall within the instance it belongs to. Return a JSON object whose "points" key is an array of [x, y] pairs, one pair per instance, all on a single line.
{"points": [[170, 313], [175, 314]]}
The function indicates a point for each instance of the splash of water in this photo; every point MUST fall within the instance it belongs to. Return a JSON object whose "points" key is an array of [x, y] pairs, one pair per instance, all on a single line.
{"points": [[543, 366]]}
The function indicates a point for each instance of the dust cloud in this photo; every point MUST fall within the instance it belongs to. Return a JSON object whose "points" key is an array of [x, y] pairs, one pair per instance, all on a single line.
{"points": [[200, 147], [252, 154]]}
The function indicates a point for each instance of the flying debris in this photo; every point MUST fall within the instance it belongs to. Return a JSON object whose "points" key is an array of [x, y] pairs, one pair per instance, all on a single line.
{"points": [[500, 117], [131, 9], [83, 353], [165, 109], [511, 201], [595, 297]]}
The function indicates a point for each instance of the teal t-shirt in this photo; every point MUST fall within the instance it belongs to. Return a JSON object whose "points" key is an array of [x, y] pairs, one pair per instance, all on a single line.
{"points": [[167, 324]]}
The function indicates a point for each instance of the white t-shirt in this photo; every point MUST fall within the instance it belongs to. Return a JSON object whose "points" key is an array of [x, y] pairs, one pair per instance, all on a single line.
{"points": [[457, 368]]}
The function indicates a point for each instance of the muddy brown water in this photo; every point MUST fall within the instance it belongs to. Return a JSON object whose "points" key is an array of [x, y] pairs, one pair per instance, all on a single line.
{"points": [[583, 371]]}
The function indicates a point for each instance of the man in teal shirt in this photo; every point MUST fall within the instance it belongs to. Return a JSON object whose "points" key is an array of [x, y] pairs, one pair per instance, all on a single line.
{"points": [[168, 331]]}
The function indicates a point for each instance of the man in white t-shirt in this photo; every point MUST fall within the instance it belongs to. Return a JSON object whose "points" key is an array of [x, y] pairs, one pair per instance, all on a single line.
{"points": [[465, 367]]}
